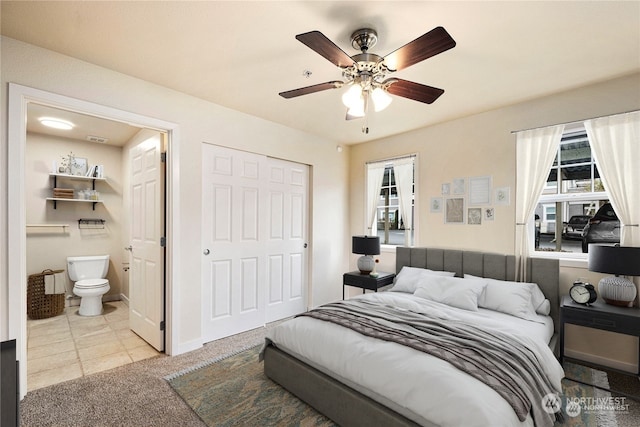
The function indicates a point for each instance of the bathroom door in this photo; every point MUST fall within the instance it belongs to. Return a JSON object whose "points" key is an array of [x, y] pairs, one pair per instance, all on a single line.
{"points": [[146, 260]]}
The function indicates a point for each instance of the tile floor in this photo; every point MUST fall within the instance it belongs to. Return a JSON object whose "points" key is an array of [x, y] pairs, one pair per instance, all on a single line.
{"points": [[70, 346]]}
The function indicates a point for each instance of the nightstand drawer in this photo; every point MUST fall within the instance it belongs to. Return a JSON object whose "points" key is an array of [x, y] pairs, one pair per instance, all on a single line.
{"points": [[599, 320]]}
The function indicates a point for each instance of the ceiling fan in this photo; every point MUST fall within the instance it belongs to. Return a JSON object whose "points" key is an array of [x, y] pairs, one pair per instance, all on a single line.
{"points": [[365, 73]]}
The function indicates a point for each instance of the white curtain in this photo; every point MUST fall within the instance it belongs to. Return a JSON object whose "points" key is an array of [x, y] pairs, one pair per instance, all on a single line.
{"points": [[403, 171], [535, 151], [615, 142], [375, 173]]}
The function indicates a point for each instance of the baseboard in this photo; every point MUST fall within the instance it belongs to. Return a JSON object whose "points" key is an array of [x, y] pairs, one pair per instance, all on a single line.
{"points": [[598, 360], [187, 347], [124, 299]]}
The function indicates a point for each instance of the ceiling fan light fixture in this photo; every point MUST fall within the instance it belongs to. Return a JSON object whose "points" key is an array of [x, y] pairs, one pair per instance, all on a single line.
{"points": [[353, 96], [381, 99], [356, 112]]}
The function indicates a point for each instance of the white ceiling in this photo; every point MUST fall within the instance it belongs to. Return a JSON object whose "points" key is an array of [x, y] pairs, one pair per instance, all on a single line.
{"points": [[84, 126], [241, 54]]}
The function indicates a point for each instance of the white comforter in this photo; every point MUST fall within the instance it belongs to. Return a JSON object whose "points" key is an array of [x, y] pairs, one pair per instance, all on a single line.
{"points": [[421, 387]]}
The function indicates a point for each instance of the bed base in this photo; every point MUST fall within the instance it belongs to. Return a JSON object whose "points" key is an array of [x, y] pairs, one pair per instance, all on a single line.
{"points": [[342, 404]]}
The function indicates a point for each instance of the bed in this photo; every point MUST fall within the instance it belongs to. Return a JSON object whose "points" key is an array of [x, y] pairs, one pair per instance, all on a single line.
{"points": [[360, 378]]}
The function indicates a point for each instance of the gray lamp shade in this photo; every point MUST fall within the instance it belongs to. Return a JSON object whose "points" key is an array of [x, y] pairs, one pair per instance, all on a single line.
{"points": [[365, 245], [618, 260]]}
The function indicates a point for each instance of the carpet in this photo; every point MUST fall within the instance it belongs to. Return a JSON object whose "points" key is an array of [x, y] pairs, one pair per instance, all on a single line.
{"points": [[233, 390], [599, 397]]}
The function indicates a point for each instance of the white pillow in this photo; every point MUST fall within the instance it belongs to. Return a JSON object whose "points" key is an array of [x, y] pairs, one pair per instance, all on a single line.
{"points": [[540, 303], [514, 298], [408, 278], [453, 291]]}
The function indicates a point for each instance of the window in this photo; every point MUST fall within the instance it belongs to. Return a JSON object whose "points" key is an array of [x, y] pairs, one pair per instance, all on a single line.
{"points": [[389, 222], [572, 195]]}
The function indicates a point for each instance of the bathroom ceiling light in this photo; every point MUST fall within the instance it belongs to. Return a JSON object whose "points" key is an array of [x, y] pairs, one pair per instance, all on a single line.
{"points": [[52, 122]]}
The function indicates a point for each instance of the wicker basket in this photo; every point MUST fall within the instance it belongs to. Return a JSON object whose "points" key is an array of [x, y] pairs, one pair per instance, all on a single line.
{"points": [[39, 304]]}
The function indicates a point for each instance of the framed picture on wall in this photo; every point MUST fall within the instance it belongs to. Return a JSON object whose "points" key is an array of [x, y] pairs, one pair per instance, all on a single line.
{"points": [[436, 204], [502, 196], [489, 214], [474, 216], [454, 210]]}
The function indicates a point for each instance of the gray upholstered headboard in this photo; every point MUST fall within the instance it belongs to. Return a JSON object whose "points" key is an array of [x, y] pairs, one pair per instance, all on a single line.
{"points": [[543, 271]]}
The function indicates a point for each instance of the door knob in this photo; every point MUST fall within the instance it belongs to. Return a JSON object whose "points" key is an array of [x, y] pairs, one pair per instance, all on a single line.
{"points": [[206, 252]]}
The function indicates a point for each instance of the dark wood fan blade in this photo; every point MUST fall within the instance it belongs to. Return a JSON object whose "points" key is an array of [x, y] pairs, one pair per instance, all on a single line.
{"points": [[325, 47], [311, 89], [416, 91], [427, 45]]}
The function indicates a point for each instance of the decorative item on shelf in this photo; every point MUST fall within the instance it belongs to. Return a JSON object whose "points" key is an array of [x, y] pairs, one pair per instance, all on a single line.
{"points": [[63, 193], [67, 163], [374, 273], [620, 261], [583, 293], [366, 246]]}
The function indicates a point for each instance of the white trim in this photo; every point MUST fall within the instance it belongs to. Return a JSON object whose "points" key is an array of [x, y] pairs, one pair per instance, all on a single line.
{"points": [[19, 97], [604, 361]]}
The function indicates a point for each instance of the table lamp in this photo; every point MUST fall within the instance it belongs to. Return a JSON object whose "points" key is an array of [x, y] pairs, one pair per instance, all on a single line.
{"points": [[620, 261], [365, 246]]}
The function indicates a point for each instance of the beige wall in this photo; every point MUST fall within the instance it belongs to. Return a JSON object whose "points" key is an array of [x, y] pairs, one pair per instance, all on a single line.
{"points": [[483, 144], [49, 247], [199, 121]]}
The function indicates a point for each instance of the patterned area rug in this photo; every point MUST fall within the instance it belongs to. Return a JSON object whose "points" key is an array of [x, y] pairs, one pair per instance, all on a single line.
{"points": [[234, 391], [599, 398]]}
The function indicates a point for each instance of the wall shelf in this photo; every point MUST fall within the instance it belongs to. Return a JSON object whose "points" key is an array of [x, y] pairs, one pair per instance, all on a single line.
{"points": [[76, 177], [93, 180]]}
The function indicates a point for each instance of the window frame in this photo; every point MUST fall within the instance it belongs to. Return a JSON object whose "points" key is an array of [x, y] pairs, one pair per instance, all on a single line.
{"points": [[413, 233], [565, 197]]}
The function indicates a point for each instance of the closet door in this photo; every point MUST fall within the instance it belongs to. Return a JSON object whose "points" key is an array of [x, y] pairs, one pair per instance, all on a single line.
{"points": [[233, 266], [287, 239], [254, 225]]}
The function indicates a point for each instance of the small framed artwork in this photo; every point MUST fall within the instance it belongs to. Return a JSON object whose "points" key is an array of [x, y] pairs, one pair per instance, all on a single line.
{"points": [[474, 216], [454, 210], [502, 196], [480, 190], [446, 189], [489, 214], [458, 186], [436, 204], [79, 166]]}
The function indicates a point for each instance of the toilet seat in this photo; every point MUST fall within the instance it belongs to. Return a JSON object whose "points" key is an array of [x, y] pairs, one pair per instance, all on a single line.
{"points": [[91, 283]]}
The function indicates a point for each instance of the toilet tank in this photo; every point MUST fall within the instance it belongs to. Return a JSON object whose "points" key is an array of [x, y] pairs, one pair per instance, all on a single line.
{"points": [[88, 267]]}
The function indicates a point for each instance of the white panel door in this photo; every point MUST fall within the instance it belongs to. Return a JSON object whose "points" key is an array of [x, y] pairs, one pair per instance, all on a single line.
{"points": [[146, 274], [233, 260], [287, 224]]}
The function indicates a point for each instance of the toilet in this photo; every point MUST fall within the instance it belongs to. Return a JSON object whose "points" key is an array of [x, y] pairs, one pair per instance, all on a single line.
{"points": [[88, 273]]}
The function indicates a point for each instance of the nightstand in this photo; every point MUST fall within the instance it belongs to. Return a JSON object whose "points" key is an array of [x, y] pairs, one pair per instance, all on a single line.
{"points": [[365, 281], [599, 315]]}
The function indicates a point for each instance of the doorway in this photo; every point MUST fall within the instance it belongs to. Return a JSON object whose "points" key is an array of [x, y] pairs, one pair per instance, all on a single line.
{"points": [[19, 99]]}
